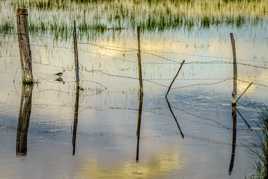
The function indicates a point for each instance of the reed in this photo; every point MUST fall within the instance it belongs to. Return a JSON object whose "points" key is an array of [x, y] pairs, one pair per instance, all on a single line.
{"points": [[262, 166], [99, 16]]}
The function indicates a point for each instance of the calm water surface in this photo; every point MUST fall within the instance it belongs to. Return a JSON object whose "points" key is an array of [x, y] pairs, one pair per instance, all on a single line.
{"points": [[104, 143]]}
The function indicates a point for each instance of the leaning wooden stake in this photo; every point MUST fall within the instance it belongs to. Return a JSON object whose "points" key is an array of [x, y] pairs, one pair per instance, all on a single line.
{"points": [[237, 100], [234, 104], [174, 78], [24, 46], [245, 90], [140, 96], [76, 55]]}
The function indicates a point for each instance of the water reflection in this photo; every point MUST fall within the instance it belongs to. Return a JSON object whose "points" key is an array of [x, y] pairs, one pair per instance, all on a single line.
{"points": [[112, 142], [76, 108], [158, 166], [24, 119], [234, 117], [139, 125]]}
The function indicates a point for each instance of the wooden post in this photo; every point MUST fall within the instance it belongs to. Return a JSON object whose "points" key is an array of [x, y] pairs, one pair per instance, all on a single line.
{"points": [[24, 46], [237, 100], [77, 79], [234, 94], [76, 55], [234, 104], [174, 78], [140, 96], [139, 60]]}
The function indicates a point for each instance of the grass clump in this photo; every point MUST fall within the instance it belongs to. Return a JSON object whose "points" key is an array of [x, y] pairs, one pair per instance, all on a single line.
{"points": [[99, 16], [262, 165]]}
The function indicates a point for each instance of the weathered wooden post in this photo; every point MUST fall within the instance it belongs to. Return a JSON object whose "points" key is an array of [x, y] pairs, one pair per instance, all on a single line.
{"points": [[139, 59], [140, 95], [76, 55], [234, 94], [234, 104], [77, 80], [24, 46]]}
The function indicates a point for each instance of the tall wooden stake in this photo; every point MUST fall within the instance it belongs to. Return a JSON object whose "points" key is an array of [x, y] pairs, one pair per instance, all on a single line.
{"points": [[140, 95], [76, 55], [234, 94], [234, 104], [77, 79], [24, 46], [139, 60]]}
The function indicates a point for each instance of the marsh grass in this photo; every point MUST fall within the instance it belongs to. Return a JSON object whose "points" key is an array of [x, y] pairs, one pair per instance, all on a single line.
{"points": [[99, 16], [262, 165]]}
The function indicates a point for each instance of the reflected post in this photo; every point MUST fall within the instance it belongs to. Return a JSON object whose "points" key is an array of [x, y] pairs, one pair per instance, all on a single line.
{"points": [[76, 108], [24, 119], [139, 126]]}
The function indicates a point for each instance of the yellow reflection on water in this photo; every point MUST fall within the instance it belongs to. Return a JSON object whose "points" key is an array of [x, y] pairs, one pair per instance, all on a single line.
{"points": [[157, 166]]}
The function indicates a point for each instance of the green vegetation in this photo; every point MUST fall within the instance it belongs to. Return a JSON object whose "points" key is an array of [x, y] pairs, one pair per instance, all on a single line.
{"points": [[56, 16], [262, 166]]}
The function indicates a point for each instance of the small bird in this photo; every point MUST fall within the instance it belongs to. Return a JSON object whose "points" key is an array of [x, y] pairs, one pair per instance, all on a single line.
{"points": [[81, 89], [60, 73]]}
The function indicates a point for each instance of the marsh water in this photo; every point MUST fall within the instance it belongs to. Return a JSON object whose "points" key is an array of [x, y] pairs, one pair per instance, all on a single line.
{"points": [[91, 132]]}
